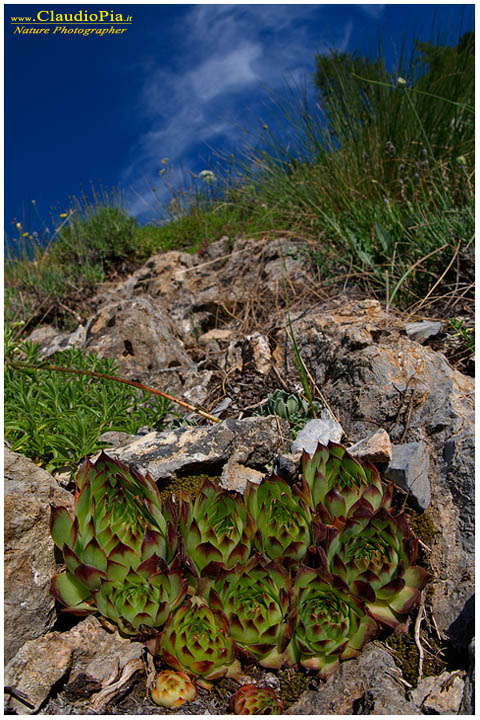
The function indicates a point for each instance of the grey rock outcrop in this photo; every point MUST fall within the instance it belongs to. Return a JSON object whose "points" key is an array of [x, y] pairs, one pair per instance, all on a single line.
{"points": [[373, 376], [408, 469], [83, 657], [252, 442], [367, 685], [138, 334], [439, 695], [421, 331], [29, 550]]}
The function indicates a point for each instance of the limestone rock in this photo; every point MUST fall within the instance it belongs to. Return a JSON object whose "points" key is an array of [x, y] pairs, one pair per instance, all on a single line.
{"points": [[235, 476], [320, 430], [367, 685], [377, 448], [253, 440], [288, 464], [87, 654], [439, 695], [421, 331], [52, 341], [257, 350], [29, 550], [217, 334], [467, 706], [408, 469], [138, 334]]}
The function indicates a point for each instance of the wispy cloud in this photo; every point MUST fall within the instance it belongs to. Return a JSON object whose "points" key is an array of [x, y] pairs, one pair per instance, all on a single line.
{"points": [[228, 59], [373, 10]]}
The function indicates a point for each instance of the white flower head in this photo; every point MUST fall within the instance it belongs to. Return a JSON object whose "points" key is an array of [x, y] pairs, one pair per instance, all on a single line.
{"points": [[207, 176], [401, 82]]}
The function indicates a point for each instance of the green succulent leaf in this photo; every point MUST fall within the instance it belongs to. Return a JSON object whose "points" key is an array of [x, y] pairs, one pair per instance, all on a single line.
{"points": [[72, 593]]}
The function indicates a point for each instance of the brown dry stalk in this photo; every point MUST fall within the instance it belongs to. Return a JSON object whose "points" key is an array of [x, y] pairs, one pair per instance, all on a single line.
{"points": [[418, 642]]}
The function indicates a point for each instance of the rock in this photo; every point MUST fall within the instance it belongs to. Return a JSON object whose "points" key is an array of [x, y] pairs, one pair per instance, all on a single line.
{"points": [[253, 441], [367, 685], [29, 550], [84, 657], [288, 465], [421, 331], [467, 706], [321, 430], [408, 469], [138, 334], [42, 334], [116, 438], [387, 381], [377, 448], [51, 341], [257, 351], [235, 476], [196, 387], [218, 334], [439, 695]]}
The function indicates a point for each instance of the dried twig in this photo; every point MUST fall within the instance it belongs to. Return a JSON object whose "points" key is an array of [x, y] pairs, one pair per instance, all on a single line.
{"points": [[418, 642]]}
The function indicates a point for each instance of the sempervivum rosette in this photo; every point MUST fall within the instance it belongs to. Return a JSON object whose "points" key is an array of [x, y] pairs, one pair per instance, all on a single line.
{"points": [[331, 624], [255, 700], [116, 547], [340, 484], [257, 600], [142, 602], [217, 530], [197, 640], [283, 518], [171, 689], [374, 557]]}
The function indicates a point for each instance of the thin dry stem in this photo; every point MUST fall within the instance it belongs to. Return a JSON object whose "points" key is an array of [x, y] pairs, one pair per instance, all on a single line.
{"points": [[418, 642]]}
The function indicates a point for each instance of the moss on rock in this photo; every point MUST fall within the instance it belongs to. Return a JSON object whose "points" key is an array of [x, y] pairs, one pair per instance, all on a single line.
{"points": [[190, 484]]}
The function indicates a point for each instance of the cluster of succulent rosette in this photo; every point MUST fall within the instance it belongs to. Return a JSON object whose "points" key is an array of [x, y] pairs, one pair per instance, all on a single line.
{"points": [[284, 576]]}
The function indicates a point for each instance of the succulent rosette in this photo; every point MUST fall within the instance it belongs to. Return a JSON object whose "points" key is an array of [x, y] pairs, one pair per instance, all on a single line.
{"points": [[257, 600], [283, 518], [217, 529], [143, 601], [197, 640], [374, 558], [331, 624], [116, 548], [255, 700], [171, 689], [339, 484]]}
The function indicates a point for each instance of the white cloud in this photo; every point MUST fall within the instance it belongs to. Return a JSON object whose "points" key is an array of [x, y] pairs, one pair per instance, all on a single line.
{"points": [[225, 72], [228, 58], [373, 10]]}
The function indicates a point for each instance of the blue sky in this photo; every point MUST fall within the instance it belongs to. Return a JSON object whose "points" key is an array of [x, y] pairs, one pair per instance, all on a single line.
{"points": [[182, 79]]}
